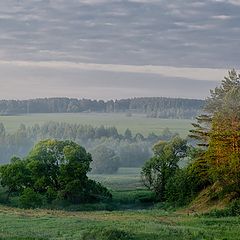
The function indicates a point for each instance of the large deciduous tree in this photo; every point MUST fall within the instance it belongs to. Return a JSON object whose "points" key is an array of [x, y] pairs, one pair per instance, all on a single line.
{"points": [[54, 169]]}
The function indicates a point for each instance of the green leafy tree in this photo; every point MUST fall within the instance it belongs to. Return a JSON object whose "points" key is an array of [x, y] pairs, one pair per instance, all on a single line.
{"points": [[157, 170], [53, 169], [105, 160], [15, 176]]}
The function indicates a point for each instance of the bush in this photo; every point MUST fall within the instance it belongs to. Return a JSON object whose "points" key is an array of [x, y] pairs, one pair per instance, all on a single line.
{"points": [[30, 199]]}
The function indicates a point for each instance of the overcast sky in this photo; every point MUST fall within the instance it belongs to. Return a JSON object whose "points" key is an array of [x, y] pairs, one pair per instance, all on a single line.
{"points": [[116, 48]]}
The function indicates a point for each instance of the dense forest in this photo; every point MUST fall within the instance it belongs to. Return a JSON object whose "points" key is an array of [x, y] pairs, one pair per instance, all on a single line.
{"points": [[153, 107]]}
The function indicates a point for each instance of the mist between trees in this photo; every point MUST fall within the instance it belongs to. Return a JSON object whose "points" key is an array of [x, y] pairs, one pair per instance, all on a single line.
{"points": [[110, 149], [157, 107]]}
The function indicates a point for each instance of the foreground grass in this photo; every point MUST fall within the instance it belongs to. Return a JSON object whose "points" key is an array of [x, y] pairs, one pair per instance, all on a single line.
{"points": [[137, 123], [139, 225]]}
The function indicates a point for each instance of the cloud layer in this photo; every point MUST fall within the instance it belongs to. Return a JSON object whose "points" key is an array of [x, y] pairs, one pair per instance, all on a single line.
{"points": [[189, 39], [164, 32]]}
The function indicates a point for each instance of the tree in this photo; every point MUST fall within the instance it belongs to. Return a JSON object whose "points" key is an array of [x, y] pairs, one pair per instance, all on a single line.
{"points": [[105, 160], [219, 133], [163, 165], [15, 176], [53, 169]]}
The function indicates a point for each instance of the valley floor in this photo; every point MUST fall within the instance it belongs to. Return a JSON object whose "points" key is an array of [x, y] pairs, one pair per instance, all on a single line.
{"points": [[101, 225]]}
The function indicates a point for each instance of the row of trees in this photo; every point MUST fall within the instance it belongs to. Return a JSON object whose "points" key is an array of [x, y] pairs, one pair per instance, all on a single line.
{"points": [[215, 163], [152, 107], [131, 150]]}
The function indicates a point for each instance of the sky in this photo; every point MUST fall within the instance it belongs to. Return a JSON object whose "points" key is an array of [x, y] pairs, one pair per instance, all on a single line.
{"points": [[111, 49]]}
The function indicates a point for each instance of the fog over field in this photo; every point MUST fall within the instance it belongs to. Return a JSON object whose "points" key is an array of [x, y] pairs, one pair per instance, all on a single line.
{"points": [[115, 49]]}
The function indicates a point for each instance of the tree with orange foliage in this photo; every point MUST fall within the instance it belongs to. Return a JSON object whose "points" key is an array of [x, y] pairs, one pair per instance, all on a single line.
{"points": [[219, 132]]}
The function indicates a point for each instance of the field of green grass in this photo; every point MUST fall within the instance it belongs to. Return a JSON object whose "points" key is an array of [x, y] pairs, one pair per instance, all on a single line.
{"points": [[135, 218], [122, 225], [137, 123], [124, 179]]}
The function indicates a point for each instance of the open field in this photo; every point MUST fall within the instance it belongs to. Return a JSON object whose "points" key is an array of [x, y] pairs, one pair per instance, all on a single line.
{"points": [[122, 225], [124, 179], [137, 123], [136, 223]]}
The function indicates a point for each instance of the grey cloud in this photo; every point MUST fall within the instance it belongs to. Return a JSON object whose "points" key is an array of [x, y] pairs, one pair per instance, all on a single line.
{"points": [[131, 32], [190, 33]]}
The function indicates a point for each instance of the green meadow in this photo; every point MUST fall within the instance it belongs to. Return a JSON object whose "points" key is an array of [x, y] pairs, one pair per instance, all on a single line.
{"points": [[136, 123], [124, 179], [122, 225], [135, 222]]}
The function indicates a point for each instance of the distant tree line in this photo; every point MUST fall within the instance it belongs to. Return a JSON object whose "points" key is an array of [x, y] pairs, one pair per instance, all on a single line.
{"points": [[120, 150], [153, 107]]}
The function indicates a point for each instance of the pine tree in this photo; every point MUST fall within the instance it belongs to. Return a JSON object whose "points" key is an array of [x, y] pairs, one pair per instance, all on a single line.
{"points": [[219, 132]]}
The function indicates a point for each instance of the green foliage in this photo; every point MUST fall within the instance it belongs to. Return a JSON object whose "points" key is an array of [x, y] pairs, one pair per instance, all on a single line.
{"points": [[15, 175], [105, 160], [160, 168], [179, 188], [53, 169], [30, 199], [218, 133]]}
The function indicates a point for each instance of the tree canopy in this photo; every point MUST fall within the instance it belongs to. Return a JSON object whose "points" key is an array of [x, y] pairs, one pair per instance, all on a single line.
{"points": [[53, 169], [163, 164], [219, 133]]}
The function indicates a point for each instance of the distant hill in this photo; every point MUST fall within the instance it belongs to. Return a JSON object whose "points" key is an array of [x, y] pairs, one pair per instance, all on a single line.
{"points": [[157, 107]]}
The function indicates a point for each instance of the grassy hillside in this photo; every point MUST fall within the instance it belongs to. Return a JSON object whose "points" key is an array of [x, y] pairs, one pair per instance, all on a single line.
{"points": [[137, 123], [137, 225]]}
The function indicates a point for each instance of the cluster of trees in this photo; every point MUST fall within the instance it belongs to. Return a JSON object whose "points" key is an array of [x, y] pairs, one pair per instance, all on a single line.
{"points": [[163, 165], [53, 170], [219, 133], [153, 107], [215, 163], [130, 150]]}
